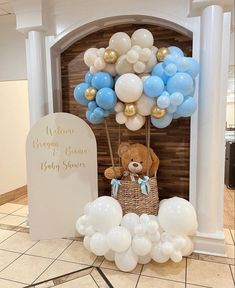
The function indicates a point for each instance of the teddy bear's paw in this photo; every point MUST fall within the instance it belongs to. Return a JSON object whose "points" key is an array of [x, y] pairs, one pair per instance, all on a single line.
{"points": [[109, 173]]}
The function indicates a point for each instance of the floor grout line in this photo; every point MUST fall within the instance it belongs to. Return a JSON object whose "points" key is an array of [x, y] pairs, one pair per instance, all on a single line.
{"points": [[186, 268], [94, 279], [232, 272], [139, 276], [1, 278]]}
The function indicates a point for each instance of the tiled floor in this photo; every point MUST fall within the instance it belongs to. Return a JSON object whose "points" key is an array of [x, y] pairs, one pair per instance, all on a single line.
{"points": [[65, 263]]}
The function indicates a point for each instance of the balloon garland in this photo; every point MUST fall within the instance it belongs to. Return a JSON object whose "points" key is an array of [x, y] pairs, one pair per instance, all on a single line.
{"points": [[132, 239], [135, 79]]}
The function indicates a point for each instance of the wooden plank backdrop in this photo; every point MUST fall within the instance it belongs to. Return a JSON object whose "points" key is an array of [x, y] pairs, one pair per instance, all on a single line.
{"points": [[172, 144]]}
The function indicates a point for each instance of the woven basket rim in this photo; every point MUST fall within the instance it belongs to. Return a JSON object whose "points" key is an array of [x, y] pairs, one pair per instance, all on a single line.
{"points": [[136, 181]]}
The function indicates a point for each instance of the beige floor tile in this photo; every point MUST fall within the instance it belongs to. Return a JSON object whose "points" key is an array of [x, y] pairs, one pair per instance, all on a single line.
{"points": [[147, 282], [10, 284], [76, 252], [12, 220], [168, 270], [22, 212], [49, 248], [210, 274], [120, 279], [233, 234], [228, 237], [2, 215], [25, 269], [194, 286], [83, 282], [6, 258], [233, 271], [4, 234], [59, 268], [19, 242], [230, 251], [10, 208], [25, 224], [111, 265]]}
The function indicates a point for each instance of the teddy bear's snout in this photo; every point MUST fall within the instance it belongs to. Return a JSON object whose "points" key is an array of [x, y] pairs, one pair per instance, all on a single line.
{"points": [[135, 167]]}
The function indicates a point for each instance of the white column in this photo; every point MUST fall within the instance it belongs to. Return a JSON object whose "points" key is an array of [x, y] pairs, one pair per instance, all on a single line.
{"points": [[36, 70], [210, 168]]}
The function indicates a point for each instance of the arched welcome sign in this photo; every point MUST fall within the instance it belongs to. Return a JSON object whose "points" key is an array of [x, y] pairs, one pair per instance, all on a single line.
{"points": [[61, 174]]}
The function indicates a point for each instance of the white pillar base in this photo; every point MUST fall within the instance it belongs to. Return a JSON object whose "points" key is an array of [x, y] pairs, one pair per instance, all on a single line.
{"points": [[210, 243]]}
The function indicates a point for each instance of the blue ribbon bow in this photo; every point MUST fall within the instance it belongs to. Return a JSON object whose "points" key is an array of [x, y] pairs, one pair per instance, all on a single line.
{"points": [[144, 183], [115, 185]]}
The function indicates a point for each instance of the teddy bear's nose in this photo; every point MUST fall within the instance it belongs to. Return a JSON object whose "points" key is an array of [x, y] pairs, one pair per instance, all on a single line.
{"points": [[135, 164]]}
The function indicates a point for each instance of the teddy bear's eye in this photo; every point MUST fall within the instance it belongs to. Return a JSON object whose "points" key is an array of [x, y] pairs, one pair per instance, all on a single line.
{"points": [[141, 162], [132, 160]]}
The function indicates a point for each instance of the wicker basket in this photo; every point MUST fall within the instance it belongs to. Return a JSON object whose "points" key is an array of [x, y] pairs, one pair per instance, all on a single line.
{"points": [[133, 200]]}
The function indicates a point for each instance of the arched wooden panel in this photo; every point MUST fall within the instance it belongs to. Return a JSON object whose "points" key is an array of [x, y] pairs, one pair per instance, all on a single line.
{"points": [[171, 144]]}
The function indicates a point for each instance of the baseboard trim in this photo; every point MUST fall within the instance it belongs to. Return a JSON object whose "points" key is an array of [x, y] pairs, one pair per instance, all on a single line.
{"points": [[210, 244], [13, 195]]}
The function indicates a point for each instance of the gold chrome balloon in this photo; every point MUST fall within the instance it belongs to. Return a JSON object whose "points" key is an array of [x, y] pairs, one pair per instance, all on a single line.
{"points": [[110, 56], [157, 112], [90, 93], [130, 109], [161, 53]]}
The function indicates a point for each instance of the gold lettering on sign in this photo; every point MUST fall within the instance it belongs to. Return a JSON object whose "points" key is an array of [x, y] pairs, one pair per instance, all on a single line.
{"points": [[58, 131], [45, 166], [45, 145], [70, 165], [75, 151]]}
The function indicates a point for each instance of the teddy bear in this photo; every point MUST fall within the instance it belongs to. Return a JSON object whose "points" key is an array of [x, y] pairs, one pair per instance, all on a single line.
{"points": [[134, 163]]}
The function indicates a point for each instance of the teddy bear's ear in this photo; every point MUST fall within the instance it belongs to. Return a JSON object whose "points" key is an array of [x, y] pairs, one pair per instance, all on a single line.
{"points": [[155, 163], [123, 147]]}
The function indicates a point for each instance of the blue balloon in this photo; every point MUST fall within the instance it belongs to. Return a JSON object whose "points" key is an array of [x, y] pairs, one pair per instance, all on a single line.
{"points": [[95, 120], [79, 93], [163, 101], [158, 70], [106, 98], [88, 114], [176, 51], [170, 69], [99, 113], [182, 64], [102, 80], [171, 109], [170, 59], [176, 116], [180, 82], [153, 86], [162, 122], [107, 113], [176, 98], [193, 69], [187, 108], [92, 105], [88, 77]]}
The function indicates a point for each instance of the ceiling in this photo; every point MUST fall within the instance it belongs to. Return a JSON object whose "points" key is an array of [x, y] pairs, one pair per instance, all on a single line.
{"points": [[5, 8]]}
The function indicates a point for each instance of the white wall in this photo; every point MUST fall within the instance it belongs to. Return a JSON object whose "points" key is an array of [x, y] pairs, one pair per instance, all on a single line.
{"points": [[14, 126], [12, 50]]}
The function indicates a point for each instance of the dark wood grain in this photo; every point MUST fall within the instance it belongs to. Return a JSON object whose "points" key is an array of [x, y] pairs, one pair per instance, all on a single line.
{"points": [[171, 144]]}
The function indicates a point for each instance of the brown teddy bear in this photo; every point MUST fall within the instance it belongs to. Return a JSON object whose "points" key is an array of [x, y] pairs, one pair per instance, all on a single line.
{"points": [[134, 163]]}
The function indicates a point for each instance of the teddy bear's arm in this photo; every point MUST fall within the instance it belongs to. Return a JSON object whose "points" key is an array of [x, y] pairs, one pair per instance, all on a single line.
{"points": [[110, 174]]}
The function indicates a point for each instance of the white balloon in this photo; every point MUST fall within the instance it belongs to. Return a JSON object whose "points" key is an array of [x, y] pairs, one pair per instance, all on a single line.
{"points": [[100, 52], [145, 104], [144, 259], [139, 67], [141, 245], [144, 218], [81, 229], [99, 63], [145, 54], [165, 236], [90, 56], [87, 208], [179, 242], [86, 242], [121, 118], [177, 216], [150, 63], [152, 227], [93, 70], [110, 68], [154, 237], [140, 230], [132, 56], [129, 87], [136, 48], [157, 255], [188, 248], [143, 38], [126, 261], [119, 107], [119, 239], [98, 244], [122, 66], [154, 50], [167, 248], [105, 213], [134, 123], [120, 42], [89, 231], [130, 221], [176, 256], [110, 255], [143, 78]]}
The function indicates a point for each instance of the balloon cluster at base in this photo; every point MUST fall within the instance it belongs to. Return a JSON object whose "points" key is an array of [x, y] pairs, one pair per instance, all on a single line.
{"points": [[134, 79], [132, 239]]}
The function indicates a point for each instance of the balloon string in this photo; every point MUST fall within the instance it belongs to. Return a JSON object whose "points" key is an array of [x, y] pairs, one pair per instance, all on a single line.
{"points": [[110, 147], [148, 143]]}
